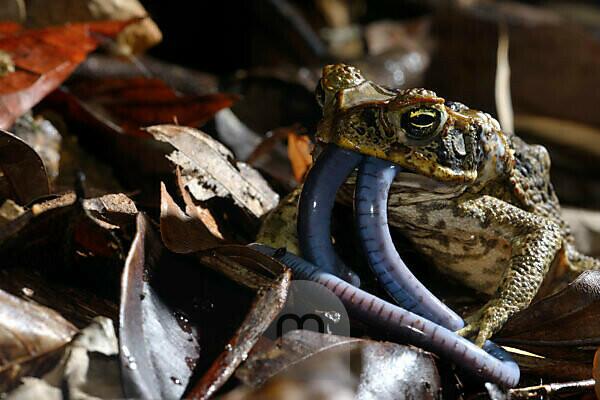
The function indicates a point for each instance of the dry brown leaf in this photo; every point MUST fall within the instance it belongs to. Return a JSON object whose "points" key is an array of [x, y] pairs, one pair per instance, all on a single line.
{"points": [[268, 303], [43, 137], [133, 40], [24, 175], [31, 337], [299, 153], [126, 105], [157, 284], [564, 327], [111, 211], [365, 368], [180, 232], [89, 368], [552, 369], [209, 169], [155, 341], [196, 210], [44, 58]]}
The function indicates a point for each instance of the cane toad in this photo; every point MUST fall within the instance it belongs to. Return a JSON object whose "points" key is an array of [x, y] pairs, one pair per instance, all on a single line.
{"points": [[474, 199]]}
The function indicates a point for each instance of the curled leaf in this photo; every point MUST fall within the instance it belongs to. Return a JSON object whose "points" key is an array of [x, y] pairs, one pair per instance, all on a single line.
{"points": [[209, 169], [31, 337], [44, 58], [89, 368], [571, 315], [134, 39], [368, 369], [299, 153], [180, 232], [23, 170], [128, 104], [179, 319], [153, 344], [564, 328], [270, 299]]}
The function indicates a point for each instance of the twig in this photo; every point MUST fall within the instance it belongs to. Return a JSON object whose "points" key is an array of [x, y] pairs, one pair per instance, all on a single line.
{"points": [[559, 389]]}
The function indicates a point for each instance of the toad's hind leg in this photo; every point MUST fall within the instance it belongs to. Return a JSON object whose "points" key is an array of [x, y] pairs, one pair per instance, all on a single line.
{"points": [[535, 242]]}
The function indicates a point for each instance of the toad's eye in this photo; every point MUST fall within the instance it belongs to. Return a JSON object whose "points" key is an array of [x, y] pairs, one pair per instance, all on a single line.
{"points": [[422, 123]]}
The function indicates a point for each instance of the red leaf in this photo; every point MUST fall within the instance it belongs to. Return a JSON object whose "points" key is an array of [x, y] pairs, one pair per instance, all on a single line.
{"points": [[43, 59], [134, 103]]}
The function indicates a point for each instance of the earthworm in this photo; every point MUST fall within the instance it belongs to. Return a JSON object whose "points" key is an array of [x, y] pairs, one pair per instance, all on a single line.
{"points": [[490, 363], [375, 177], [314, 210]]}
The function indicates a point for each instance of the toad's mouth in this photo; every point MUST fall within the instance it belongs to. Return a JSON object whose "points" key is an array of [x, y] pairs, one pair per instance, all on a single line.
{"points": [[412, 180], [374, 179]]}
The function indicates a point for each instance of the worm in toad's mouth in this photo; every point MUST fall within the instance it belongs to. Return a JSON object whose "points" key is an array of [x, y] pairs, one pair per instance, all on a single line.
{"points": [[419, 308]]}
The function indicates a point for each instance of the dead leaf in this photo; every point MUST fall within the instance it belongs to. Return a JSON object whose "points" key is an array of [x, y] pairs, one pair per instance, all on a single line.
{"points": [[563, 326], [44, 58], [78, 303], [198, 211], [32, 338], [23, 170], [300, 155], [112, 211], [269, 301], [552, 369], [183, 80], [180, 232], [68, 257], [155, 341], [111, 130], [166, 301], [89, 369], [133, 40], [369, 369], [43, 137], [128, 104], [209, 169]]}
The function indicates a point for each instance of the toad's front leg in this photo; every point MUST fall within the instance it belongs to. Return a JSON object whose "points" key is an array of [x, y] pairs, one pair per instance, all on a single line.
{"points": [[535, 242]]}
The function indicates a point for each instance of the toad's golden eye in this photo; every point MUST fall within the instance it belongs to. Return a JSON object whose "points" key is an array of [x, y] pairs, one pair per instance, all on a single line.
{"points": [[422, 123]]}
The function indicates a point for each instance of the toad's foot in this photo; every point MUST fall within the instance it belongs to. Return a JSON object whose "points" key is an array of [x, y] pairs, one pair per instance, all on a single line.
{"points": [[485, 322]]}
